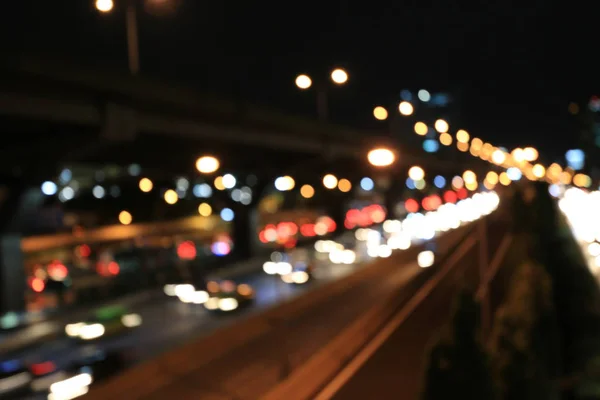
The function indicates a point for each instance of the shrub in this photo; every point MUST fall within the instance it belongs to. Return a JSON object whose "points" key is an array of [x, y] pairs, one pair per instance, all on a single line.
{"points": [[458, 366], [523, 341]]}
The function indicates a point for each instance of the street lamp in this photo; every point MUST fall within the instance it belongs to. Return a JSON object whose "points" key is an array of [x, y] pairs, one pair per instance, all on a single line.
{"points": [[104, 5], [304, 82], [381, 157], [133, 50]]}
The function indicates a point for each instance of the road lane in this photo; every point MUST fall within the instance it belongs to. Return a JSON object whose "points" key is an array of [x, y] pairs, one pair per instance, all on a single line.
{"points": [[250, 371]]}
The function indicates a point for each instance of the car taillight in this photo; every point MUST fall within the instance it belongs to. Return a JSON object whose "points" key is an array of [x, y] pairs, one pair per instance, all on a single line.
{"points": [[42, 368]]}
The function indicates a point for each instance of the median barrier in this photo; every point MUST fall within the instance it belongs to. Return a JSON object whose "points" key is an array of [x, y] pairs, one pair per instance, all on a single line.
{"points": [[146, 378]]}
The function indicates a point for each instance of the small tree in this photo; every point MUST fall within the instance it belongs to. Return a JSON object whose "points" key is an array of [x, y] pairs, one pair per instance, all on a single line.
{"points": [[458, 366], [524, 343]]}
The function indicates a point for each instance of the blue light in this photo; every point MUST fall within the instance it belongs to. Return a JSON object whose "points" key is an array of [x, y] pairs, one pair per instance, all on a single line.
{"points": [[202, 190], [49, 188], [575, 159], [227, 214], [439, 181], [66, 175], [410, 183], [406, 95], [554, 190], [431, 145], [367, 184], [514, 174], [424, 95], [10, 366]]}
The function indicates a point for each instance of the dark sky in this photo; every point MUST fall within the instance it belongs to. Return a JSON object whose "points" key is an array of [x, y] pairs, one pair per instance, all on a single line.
{"points": [[515, 64]]}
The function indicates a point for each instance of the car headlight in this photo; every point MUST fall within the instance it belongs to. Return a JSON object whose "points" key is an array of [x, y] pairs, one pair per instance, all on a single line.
{"points": [[85, 331]]}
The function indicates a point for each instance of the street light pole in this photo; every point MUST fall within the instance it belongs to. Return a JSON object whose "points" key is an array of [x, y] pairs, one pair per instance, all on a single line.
{"points": [[133, 49]]}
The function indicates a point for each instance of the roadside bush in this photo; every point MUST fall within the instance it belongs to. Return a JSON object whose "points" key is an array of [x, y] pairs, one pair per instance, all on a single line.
{"points": [[575, 290], [458, 366], [523, 341]]}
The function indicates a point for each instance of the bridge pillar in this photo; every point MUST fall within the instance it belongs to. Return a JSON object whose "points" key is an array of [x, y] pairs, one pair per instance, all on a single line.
{"points": [[12, 271]]}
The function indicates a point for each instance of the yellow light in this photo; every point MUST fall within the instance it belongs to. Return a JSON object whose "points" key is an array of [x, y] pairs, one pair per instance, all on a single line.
{"points": [[504, 179], [303, 81], [538, 171], [205, 209], [421, 129], [464, 147], [307, 191], [469, 177], [420, 184], [171, 197], [146, 185], [330, 181], [285, 183], [582, 180], [219, 183], [104, 5], [441, 126], [518, 155], [498, 157], [472, 186], [406, 108], [339, 76], [530, 154], [565, 178], [489, 185], [381, 157], [416, 173], [462, 136], [380, 113], [207, 164], [125, 217], [344, 185], [492, 177], [446, 139], [457, 183], [573, 108], [477, 144]]}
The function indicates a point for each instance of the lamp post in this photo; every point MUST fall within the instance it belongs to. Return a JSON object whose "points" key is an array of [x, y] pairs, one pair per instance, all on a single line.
{"points": [[131, 25]]}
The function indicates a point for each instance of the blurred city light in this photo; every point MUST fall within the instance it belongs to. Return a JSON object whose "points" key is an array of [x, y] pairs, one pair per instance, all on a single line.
{"points": [[330, 181], [424, 95], [530, 154], [205, 210], [339, 76], [462, 136], [227, 214], [381, 157], [146, 185], [171, 197], [367, 184], [49, 188], [431, 145], [405, 108], [303, 82], [125, 217], [207, 164], [284, 183], [380, 113], [575, 159], [229, 181], [441, 126], [416, 173], [104, 5], [446, 139], [421, 129], [307, 191], [344, 185]]}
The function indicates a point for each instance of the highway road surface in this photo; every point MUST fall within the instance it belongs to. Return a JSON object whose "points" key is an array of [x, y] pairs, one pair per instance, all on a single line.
{"points": [[251, 370]]}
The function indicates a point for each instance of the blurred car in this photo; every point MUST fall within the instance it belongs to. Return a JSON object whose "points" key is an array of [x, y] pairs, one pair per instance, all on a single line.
{"points": [[18, 380], [227, 296], [300, 274], [105, 322]]}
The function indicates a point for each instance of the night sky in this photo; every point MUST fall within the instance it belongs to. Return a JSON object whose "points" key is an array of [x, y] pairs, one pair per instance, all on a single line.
{"points": [[515, 65]]}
